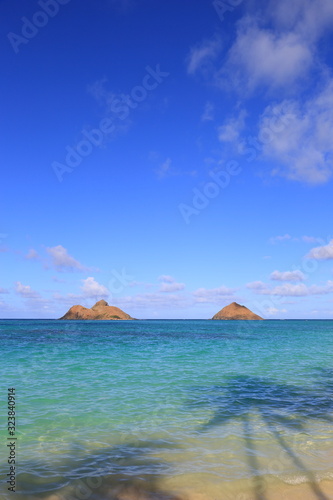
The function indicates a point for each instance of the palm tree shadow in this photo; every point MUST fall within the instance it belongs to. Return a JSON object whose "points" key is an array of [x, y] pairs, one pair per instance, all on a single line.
{"points": [[279, 405], [126, 471]]}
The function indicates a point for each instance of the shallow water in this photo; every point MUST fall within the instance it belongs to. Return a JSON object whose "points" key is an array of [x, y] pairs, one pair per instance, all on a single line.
{"points": [[201, 409]]}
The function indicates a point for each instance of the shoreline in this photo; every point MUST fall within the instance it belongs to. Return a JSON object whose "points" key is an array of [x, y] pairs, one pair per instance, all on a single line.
{"points": [[190, 487]]}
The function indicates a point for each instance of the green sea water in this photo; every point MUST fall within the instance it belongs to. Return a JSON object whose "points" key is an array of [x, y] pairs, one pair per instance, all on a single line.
{"points": [[164, 408]]}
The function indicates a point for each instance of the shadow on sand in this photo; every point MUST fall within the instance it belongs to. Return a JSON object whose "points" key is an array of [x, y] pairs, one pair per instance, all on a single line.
{"points": [[118, 473], [131, 471], [278, 405]]}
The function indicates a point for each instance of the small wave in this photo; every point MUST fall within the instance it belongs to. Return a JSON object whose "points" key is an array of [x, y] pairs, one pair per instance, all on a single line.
{"points": [[294, 479]]}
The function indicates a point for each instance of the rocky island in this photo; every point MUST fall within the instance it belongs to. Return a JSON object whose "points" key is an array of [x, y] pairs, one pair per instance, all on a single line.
{"points": [[100, 311], [236, 311]]}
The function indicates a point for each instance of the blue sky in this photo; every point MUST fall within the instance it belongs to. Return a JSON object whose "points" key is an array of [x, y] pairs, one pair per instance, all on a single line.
{"points": [[169, 157]]}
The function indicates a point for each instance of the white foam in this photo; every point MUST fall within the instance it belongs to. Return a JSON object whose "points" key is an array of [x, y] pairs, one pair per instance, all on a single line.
{"points": [[303, 478]]}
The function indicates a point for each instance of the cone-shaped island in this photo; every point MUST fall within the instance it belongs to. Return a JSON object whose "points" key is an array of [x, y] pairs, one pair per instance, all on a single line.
{"points": [[100, 311], [236, 311]]}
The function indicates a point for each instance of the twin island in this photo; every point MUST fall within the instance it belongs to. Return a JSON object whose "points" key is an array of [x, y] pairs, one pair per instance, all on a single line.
{"points": [[102, 311]]}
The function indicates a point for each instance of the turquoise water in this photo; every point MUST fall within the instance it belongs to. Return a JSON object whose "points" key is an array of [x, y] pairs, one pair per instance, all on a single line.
{"points": [[168, 407]]}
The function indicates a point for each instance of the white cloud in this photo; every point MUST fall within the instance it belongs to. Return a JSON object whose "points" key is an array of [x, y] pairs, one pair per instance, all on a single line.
{"points": [[276, 46], [62, 261], [322, 253], [230, 130], [26, 291], [208, 113], [265, 57], [276, 51], [291, 290], [213, 296], [287, 276], [203, 54], [302, 147], [91, 288], [307, 18]]}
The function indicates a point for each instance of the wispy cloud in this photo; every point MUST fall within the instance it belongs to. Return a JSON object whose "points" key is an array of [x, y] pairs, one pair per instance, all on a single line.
{"points": [[32, 255], [208, 113], [276, 47], [71, 299], [58, 280], [164, 169], [166, 278], [291, 290], [202, 54], [213, 295], [287, 276], [257, 286], [261, 57], [231, 130], [167, 295], [276, 52], [303, 148], [62, 261], [171, 287], [149, 301], [307, 18], [272, 311], [114, 106], [277, 239], [311, 239], [169, 284]]}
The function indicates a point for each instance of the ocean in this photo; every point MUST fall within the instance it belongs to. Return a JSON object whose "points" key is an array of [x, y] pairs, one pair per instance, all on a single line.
{"points": [[167, 409]]}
